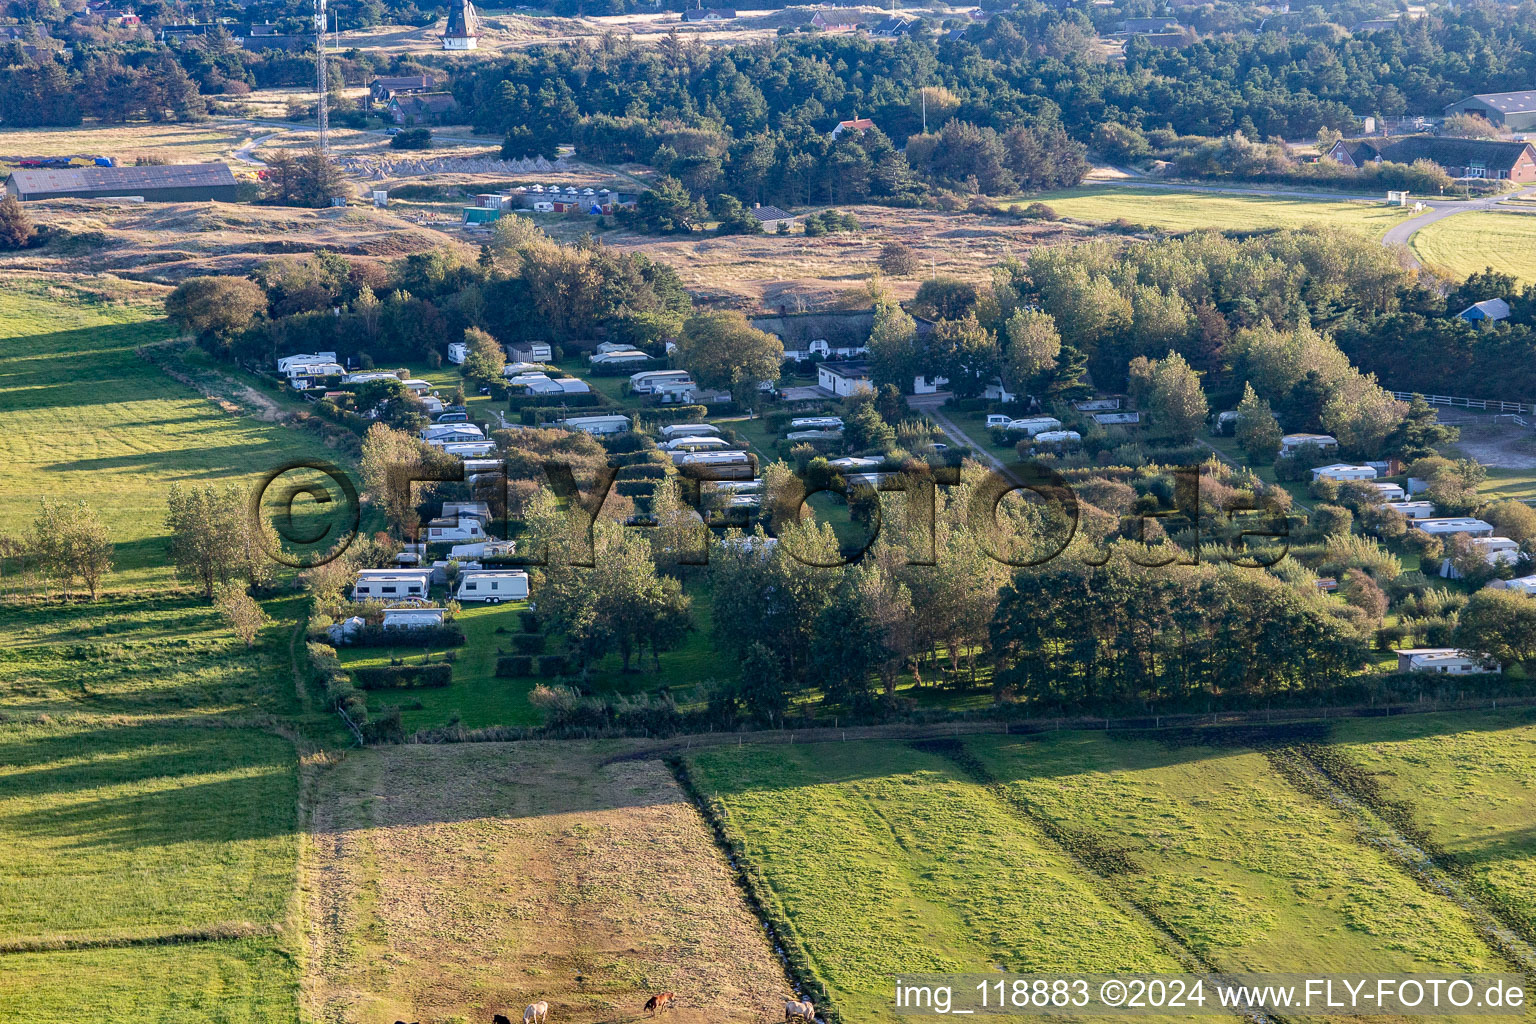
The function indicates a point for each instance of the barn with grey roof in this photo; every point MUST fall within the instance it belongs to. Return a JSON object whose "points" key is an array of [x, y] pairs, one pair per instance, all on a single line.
{"points": [[172, 183], [1513, 110]]}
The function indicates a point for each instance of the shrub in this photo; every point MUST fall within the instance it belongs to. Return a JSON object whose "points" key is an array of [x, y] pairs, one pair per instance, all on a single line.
{"points": [[513, 665], [446, 635], [529, 643], [387, 728], [551, 665], [1040, 211], [412, 138], [530, 621], [392, 677]]}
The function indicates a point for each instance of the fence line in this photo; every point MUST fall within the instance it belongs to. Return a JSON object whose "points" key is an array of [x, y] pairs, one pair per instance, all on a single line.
{"points": [[1485, 404]]}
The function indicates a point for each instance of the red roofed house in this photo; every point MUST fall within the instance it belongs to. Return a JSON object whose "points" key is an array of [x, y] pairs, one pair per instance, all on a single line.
{"points": [[858, 124]]}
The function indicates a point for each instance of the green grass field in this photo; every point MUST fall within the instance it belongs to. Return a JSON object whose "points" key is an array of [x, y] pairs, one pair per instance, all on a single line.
{"points": [[884, 860], [1468, 242], [1469, 781], [1177, 210], [82, 416]]}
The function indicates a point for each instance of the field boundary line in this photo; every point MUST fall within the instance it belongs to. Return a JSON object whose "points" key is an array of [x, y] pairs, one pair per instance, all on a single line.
{"points": [[224, 931], [799, 974]]}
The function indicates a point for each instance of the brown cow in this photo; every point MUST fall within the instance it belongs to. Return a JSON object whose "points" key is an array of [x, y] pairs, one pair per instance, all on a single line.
{"points": [[660, 1001]]}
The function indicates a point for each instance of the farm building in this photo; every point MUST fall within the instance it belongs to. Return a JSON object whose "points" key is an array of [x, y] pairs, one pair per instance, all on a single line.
{"points": [[412, 618], [422, 108], [772, 218], [1342, 471], [1447, 527], [171, 183], [492, 585], [383, 89], [709, 14], [1460, 158], [1513, 110], [391, 584], [1443, 660], [1487, 310], [463, 29], [844, 378]]}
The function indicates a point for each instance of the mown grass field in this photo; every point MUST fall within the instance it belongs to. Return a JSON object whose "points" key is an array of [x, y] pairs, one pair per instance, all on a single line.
{"points": [[1468, 242], [885, 860], [83, 416], [1469, 781], [1177, 210]]}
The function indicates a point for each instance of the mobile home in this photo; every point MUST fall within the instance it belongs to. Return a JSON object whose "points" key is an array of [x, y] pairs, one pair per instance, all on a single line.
{"points": [[492, 585]]}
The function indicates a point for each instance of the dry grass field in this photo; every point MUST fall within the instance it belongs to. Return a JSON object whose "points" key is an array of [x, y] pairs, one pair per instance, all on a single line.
{"points": [[453, 882], [175, 143]]}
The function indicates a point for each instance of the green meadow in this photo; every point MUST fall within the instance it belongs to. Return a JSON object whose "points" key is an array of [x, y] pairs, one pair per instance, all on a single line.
{"points": [[1188, 210]]}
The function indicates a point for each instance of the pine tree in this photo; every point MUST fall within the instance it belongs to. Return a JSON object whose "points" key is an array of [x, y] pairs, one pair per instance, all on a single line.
{"points": [[1258, 432], [16, 231]]}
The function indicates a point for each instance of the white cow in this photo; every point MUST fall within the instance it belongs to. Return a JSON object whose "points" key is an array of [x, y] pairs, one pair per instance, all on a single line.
{"points": [[801, 1009], [537, 1013]]}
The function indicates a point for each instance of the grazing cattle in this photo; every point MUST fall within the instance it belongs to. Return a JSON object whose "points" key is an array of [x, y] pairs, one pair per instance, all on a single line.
{"points": [[799, 1009], [537, 1013], [660, 1001], [500, 1019]]}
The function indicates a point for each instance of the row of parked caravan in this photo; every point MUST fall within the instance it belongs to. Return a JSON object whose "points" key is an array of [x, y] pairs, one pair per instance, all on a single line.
{"points": [[1041, 429]]}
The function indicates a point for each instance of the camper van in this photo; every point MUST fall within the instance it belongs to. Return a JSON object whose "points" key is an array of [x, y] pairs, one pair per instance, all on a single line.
{"points": [[492, 585]]}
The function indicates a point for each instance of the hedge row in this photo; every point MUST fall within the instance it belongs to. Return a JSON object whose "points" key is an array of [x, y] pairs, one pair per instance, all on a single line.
{"points": [[528, 643], [399, 677], [340, 693], [447, 635], [515, 665]]}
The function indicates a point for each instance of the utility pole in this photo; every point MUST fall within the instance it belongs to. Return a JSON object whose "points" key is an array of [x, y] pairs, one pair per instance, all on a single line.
{"points": [[322, 81], [924, 92]]}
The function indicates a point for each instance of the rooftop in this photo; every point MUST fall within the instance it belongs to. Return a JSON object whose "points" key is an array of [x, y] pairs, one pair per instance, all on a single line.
{"points": [[122, 179]]}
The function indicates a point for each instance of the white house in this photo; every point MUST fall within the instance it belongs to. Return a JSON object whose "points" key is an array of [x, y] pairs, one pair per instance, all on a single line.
{"points": [[997, 391], [844, 378], [492, 585], [412, 618], [1442, 660], [1413, 509], [675, 430], [816, 423], [391, 584], [1291, 443], [456, 528], [1342, 471], [608, 424], [1032, 425], [1389, 492], [1524, 584], [531, 352], [458, 351], [928, 385], [1449, 526]]}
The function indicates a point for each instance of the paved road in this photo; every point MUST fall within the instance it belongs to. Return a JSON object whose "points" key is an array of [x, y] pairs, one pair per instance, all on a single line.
{"points": [[1401, 234]]}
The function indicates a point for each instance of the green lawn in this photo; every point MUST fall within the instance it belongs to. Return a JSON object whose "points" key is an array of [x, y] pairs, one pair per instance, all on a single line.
{"points": [[1245, 869], [1468, 242], [82, 416], [1174, 210], [1469, 780], [883, 860], [1509, 483]]}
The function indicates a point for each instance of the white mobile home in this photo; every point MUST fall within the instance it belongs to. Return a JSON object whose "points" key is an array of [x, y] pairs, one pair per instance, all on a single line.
{"points": [[1033, 425], [816, 423], [619, 358], [1290, 444], [492, 585], [286, 364], [391, 584], [675, 430], [1342, 471], [695, 444], [456, 528], [452, 432], [467, 449], [646, 381], [609, 424], [1442, 660], [1447, 527], [412, 618], [1390, 492], [1058, 437]]}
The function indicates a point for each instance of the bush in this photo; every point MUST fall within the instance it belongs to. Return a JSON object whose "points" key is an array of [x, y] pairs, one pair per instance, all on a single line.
{"points": [[1040, 211], [387, 728], [514, 665], [530, 621], [325, 669], [412, 138], [529, 643], [551, 665], [402, 677]]}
